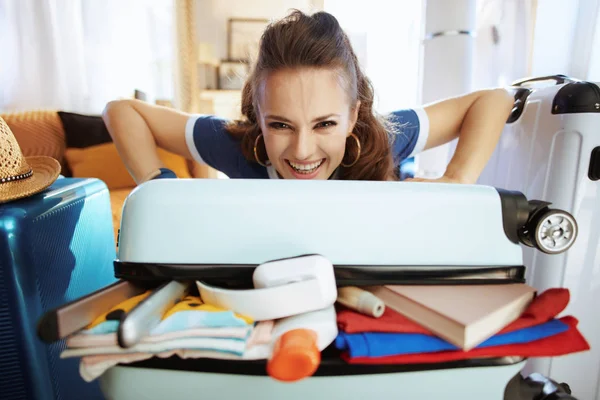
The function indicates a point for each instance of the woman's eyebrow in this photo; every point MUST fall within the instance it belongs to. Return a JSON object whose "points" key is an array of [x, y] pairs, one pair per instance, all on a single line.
{"points": [[323, 118], [280, 118], [277, 117]]}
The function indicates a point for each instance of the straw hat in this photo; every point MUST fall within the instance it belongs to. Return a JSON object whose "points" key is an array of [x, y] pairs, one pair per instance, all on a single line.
{"points": [[22, 176]]}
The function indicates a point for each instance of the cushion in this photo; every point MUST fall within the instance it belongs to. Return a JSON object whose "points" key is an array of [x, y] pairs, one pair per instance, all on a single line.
{"points": [[117, 199], [39, 133], [83, 130], [102, 161]]}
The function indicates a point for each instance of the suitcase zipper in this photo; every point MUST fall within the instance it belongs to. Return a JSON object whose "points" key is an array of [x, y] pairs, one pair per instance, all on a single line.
{"points": [[442, 275], [240, 276]]}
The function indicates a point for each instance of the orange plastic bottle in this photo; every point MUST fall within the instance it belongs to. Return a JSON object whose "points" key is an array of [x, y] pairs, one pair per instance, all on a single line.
{"points": [[295, 356]]}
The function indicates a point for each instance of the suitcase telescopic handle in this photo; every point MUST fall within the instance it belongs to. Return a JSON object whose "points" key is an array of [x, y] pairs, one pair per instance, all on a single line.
{"points": [[559, 79]]}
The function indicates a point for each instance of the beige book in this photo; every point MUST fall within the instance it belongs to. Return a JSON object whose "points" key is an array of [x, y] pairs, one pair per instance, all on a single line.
{"points": [[464, 315]]}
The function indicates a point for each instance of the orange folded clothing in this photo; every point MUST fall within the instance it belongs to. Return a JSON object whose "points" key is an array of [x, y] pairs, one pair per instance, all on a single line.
{"points": [[542, 308], [570, 341]]}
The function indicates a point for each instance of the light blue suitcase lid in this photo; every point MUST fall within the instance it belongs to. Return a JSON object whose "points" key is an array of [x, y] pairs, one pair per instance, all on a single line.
{"points": [[222, 221]]}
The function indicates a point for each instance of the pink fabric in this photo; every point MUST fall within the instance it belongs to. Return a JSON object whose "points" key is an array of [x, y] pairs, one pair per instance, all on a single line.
{"points": [[261, 334], [93, 366]]}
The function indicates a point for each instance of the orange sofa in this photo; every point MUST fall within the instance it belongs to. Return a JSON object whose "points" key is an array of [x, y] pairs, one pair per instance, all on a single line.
{"points": [[83, 147]]}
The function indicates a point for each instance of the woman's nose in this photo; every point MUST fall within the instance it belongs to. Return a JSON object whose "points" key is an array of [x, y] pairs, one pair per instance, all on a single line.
{"points": [[304, 146]]}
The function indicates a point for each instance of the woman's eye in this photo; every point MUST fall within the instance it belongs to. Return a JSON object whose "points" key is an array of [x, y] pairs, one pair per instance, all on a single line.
{"points": [[326, 124], [279, 125]]}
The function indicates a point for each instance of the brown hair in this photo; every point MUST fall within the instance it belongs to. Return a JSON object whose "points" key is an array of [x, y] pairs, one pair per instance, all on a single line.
{"points": [[318, 41]]}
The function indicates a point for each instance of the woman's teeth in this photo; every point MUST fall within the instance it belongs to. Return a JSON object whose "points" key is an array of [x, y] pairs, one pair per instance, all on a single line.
{"points": [[306, 168]]}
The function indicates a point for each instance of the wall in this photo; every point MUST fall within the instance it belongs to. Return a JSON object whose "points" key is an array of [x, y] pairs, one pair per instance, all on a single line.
{"points": [[555, 31], [566, 39], [386, 38], [212, 16]]}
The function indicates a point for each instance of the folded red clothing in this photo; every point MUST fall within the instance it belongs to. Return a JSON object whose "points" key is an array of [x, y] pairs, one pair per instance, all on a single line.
{"points": [[570, 341], [542, 308]]}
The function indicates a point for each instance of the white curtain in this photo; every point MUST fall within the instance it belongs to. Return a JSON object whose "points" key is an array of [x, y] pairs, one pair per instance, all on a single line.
{"points": [[567, 39], [129, 45], [593, 66], [42, 62], [77, 55], [504, 42]]}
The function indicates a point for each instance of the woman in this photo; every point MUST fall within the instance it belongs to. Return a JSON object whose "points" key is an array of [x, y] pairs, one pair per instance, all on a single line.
{"points": [[308, 114]]}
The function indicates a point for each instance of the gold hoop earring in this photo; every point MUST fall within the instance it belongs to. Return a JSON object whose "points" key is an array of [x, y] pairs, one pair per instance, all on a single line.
{"points": [[358, 155], [256, 153]]}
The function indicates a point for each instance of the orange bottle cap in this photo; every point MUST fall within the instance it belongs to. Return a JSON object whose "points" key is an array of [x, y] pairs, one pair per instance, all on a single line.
{"points": [[295, 356]]}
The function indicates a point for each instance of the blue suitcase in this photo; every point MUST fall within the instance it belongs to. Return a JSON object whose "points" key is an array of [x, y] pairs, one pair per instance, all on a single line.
{"points": [[55, 247]]}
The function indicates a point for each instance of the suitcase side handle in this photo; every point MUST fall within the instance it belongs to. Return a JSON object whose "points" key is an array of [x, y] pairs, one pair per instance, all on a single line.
{"points": [[558, 79]]}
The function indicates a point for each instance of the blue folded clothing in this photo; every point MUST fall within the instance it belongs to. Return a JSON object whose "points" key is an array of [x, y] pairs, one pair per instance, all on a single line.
{"points": [[378, 344]]}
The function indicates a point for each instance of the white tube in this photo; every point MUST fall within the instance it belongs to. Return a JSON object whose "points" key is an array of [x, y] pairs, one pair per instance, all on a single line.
{"points": [[323, 322]]}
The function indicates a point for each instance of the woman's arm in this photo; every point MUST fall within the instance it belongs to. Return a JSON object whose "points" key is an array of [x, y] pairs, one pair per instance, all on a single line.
{"points": [[477, 120], [138, 128]]}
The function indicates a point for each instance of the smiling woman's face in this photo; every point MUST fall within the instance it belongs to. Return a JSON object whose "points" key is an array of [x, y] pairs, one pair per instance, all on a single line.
{"points": [[305, 117]]}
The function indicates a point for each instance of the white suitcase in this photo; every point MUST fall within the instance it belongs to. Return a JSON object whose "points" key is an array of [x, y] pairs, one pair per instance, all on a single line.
{"points": [[550, 150], [373, 232]]}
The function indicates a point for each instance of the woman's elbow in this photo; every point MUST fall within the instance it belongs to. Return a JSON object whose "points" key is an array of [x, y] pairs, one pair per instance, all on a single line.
{"points": [[504, 97], [114, 107], [500, 100], [113, 111]]}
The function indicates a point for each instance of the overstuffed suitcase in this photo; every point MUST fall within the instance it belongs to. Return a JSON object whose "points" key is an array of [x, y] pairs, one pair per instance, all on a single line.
{"points": [[550, 149], [373, 233], [55, 246]]}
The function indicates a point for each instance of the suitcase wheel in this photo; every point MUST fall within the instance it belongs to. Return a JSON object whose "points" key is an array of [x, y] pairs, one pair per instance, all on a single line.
{"points": [[551, 231], [539, 387]]}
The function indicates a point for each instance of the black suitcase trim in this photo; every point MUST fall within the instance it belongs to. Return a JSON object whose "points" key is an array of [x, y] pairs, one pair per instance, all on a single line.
{"points": [[240, 275], [577, 97], [331, 365]]}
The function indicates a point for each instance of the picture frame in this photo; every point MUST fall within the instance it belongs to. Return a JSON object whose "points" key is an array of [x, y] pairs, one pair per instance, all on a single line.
{"points": [[243, 37], [233, 74], [208, 78]]}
